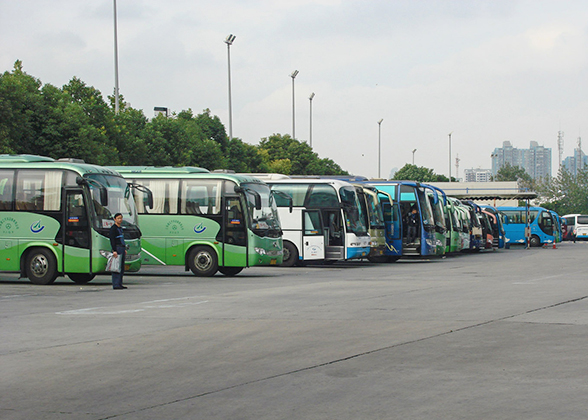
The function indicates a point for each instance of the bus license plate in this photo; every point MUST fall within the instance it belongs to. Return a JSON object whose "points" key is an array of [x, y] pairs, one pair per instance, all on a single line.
{"points": [[273, 261]]}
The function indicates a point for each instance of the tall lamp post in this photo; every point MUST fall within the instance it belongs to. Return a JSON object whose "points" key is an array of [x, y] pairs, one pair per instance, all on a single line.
{"points": [[450, 156], [310, 98], [293, 76], [414, 150], [229, 41], [116, 103], [379, 145]]}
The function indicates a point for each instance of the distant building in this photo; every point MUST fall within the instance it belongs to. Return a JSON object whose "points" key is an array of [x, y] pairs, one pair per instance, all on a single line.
{"points": [[159, 110], [478, 175], [577, 162], [536, 160]]}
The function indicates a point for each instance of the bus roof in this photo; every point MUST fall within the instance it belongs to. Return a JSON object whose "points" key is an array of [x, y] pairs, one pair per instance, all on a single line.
{"points": [[24, 159], [185, 172], [159, 170], [43, 162]]}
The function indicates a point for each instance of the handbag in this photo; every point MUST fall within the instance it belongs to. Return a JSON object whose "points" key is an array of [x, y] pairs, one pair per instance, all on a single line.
{"points": [[113, 264]]}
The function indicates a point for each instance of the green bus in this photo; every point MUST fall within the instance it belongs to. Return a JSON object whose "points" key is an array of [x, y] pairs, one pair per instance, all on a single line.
{"points": [[206, 221], [55, 217]]}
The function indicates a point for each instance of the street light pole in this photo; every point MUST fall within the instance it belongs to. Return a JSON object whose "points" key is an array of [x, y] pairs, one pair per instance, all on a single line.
{"points": [[413, 156], [293, 76], [450, 156], [379, 145], [310, 98], [229, 41], [116, 103]]}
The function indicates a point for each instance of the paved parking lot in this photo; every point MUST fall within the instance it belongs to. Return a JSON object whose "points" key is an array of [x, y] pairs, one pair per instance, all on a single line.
{"points": [[499, 335]]}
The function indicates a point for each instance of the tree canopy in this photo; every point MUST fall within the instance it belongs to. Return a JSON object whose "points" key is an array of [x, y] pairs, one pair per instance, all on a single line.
{"points": [[76, 121], [418, 173]]}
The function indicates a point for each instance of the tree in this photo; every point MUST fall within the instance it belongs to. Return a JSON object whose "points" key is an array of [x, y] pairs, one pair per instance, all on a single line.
{"points": [[418, 173], [565, 194], [512, 173], [302, 159]]}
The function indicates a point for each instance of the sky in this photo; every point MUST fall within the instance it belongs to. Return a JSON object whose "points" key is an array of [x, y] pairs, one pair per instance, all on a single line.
{"points": [[485, 71]]}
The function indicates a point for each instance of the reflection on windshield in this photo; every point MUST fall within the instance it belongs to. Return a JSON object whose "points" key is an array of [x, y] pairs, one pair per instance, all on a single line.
{"points": [[353, 213], [264, 221], [120, 200]]}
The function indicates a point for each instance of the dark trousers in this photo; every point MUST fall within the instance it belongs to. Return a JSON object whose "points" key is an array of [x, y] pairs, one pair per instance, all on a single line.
{"points": [[411, 234], [117, 278]]}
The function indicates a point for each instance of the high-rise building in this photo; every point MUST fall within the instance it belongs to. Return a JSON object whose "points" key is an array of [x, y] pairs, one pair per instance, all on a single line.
{"points": [[536, 160], [577, 162]]}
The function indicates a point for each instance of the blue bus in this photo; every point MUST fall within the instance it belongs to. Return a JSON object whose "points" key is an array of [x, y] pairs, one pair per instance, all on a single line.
{"points": [[538, 220], [408, 195]]}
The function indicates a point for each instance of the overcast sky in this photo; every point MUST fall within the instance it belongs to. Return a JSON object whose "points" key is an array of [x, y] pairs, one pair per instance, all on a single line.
{"points": [[487, 71]]}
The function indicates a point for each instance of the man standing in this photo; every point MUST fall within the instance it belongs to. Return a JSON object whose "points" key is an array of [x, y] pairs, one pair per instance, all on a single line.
{"points": [[117, 243], [413, 221]]}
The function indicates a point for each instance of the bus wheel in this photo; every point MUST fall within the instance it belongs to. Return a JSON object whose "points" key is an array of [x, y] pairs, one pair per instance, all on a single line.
{"points": [[392, 259], [81, 278], [290, 254], [534, 241], [230, 271], [203, 261], [41, 267]]}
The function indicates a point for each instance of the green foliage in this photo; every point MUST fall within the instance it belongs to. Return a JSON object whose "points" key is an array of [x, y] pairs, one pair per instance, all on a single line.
{"points": [[76, 121], [303, 161], [418, 173], [565, 194]]}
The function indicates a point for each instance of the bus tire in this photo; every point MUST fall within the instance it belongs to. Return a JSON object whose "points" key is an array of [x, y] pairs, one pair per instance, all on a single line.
{"points": [[203, 261], [81, 278], [534, 241], [230, 271], [290, 254], [41, 266]]}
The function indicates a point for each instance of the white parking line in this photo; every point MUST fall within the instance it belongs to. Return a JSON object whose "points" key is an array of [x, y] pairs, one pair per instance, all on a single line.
{"points": [[139, 307]]}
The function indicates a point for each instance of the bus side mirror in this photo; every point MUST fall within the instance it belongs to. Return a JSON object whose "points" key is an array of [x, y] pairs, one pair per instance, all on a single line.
{"points": [[103, 197]]}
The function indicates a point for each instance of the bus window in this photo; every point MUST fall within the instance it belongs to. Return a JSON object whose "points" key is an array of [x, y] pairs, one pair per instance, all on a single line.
{"points": [[6, 190], [201, 197], [38, 190]]}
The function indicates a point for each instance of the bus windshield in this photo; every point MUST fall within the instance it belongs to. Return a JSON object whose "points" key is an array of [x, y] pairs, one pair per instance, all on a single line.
{"points": [[264, 221], [353, 212], [120, 200]]}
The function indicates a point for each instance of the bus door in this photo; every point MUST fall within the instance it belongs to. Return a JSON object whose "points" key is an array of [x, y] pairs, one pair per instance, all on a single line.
{"points": [[77, 239], [234, 234], [313, 238], [334, 234], [546, 223], [392, 222]]}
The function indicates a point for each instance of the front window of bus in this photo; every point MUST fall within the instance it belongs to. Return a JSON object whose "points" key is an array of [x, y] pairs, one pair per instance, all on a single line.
{"points": [[353, 212], [426, 211], [120, 200], [264, 221]]}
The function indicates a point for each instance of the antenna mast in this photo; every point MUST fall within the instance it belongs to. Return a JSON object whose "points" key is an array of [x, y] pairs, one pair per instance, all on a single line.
{"points": [[560, 145], [580, 162], [457, 159]]}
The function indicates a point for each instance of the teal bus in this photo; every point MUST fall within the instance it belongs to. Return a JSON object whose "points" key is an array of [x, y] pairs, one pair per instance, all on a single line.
{"points": [[55, 217], [205, 221]]}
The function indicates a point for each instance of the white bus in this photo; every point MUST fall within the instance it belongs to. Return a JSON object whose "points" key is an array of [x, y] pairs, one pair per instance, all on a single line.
{"points": [[577, 226], [326, 221]]}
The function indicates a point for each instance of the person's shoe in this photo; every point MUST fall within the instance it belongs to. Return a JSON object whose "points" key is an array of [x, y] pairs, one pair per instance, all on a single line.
{"points": [[120, 288]]}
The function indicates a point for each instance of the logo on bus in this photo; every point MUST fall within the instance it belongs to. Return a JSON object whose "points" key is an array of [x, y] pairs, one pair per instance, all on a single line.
{"points": [[199, 228], [8, 225], [37, 227]]}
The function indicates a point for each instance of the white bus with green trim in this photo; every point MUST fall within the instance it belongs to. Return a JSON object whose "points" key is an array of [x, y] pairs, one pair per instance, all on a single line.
{"points": [[206, 221], [55, 218]]}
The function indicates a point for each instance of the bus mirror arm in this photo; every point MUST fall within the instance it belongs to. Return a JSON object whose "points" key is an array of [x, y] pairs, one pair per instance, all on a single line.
{"points": [[101, 188], [144, 190], [254, 193], [287, 197]]}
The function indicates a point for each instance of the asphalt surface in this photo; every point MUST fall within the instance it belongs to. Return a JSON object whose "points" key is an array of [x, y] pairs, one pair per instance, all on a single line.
{"points": [[496, 335]]}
